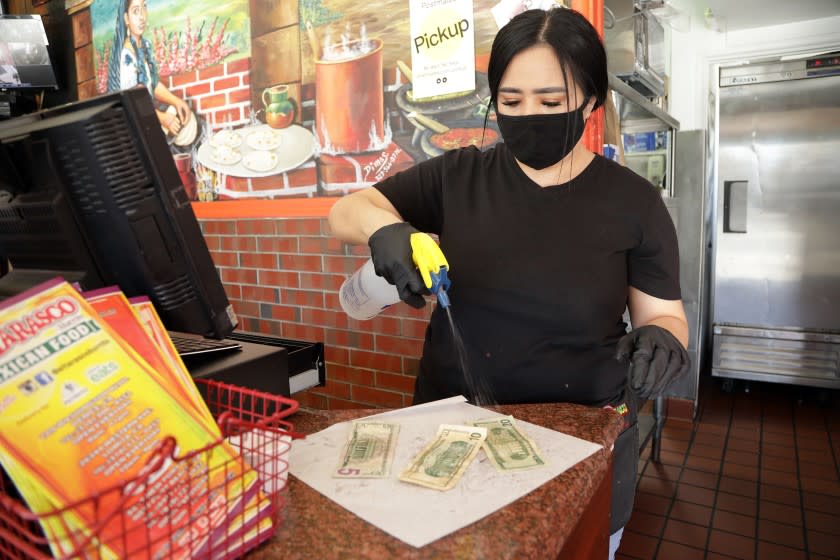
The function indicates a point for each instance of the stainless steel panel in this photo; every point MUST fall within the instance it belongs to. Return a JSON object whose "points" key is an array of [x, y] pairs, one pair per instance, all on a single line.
{"points": [[635, 45], [783, 140], [781, 355]]}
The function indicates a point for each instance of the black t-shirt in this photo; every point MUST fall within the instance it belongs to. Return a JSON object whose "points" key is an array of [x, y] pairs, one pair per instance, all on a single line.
{"points": [[539, 275]]}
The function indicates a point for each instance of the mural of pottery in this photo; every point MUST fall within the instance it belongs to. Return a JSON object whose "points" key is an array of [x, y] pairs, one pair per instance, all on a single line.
{"points": [[349, 100], [280, 109]]}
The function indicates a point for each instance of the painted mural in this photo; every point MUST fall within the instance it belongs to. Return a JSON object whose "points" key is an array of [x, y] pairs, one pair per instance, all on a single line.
{"points": [[266, 99]]}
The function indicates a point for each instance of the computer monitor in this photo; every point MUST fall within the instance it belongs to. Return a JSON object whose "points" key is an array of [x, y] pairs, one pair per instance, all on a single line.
{"points": [[89, 191], [24, 57]]}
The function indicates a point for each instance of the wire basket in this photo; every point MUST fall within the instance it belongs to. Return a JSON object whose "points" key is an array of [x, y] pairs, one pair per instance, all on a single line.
{"points": [[185, 513]]}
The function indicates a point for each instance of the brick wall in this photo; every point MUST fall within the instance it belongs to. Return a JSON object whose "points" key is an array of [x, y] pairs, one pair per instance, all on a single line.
{"points": [[221, 93], [282, 276]]}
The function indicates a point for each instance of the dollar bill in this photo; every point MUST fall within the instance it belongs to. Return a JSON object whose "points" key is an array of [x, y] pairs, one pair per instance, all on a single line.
{"points": [[443, 461], [508, 448], [369, 451]]}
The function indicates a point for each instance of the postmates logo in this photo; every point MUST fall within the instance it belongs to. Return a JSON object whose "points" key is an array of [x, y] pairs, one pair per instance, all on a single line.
{"points": [[441, 34]]}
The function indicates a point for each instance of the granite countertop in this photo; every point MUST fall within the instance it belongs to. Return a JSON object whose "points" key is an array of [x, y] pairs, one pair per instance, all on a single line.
{"points": [[536, 525]]}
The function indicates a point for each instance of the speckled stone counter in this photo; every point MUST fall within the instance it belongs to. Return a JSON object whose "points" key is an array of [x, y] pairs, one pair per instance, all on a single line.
{"points": [[546, 523]]}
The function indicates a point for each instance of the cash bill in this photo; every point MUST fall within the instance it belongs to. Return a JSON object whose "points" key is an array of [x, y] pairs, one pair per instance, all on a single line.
{"points": [[444, 460], [369, 451], [508, 448]]}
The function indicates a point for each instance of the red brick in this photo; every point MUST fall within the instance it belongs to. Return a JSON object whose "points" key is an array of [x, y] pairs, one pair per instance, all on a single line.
{"points": [[312, 400], [334, 388], [223, 258], [350, 339], [246, 79], [303, 332], [212, 102], [376, 396], [227, 116], [303, 263], [239, 275], [245, 308], [227, 83], [323, 317], [299, 226], [321, 245], [352, 375], [305, 298], [184, 78], [342, 264], [198, 89], [219, 227], [239, 65], [255, 227], [337, 355], [265, 261], [259, 293], [402, 383], [341, 404], [213, 242], [405, 310], [238, 184], [358, 250], [379, 324], [321, 281], [239, 243], [233, 291], [414, 328], [277, 244], [411, 366], [395, 345], [211, 72], [285, 313], [239, 95], [270, 183], [374, 360], [283, 279], [331, 302]]}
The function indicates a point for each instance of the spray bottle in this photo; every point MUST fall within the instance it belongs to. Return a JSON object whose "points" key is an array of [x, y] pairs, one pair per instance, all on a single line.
{"points": [[364, 294]]}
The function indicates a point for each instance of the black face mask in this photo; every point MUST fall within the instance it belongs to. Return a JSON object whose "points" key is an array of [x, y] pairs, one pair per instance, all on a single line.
{"points": [[540, 141]]}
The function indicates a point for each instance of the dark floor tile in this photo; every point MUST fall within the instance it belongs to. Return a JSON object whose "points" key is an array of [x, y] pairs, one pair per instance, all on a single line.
{"points": [[784, 451], [772, 551], [748, 433], [651, 503], [783, 464], [819, 444], [780, 513], [813, 470], [699, 478], [684, 533], [778, 478], [703, 464], [741, 458], [740, 471], [706, 451], [738, 486], [675, 446], [731, 544], [823, 522], [716, 556], [711, 428], [669, 551], [831, 487], [734, 523], [671, 458], [637, 545], [663, 471], [691, 513], [646, 523], [750, 446], [696, 495], [775, 438], [712, 440], [780, 533], [658, 486], [823, 543], [780, 494], [736, 503], [817, 457], [820, 502]]}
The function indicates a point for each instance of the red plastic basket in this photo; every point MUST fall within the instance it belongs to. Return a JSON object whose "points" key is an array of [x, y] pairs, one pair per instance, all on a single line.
{"points": [[250, 421]]}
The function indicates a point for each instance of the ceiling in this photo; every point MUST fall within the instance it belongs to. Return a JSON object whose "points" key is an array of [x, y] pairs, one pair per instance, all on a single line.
{"points": [[746, 14]]}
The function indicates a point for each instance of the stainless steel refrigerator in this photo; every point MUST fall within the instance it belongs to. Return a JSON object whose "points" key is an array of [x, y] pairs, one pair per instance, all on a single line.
{"points": [[775, 248]]}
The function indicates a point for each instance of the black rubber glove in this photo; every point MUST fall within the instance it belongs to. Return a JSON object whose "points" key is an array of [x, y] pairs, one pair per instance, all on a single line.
{"points": [[390, 249], [657, 358]]}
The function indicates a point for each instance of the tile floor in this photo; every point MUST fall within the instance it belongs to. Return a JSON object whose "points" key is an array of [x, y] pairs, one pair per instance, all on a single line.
{"points": [[756, 476]]}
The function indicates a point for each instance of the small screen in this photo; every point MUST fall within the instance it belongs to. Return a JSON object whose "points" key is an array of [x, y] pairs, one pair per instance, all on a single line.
{"points": [[24, 59]]}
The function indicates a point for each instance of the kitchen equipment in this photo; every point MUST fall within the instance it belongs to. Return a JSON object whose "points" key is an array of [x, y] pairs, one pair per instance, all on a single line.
{"points": [[635, 45], [775, 255], [349, 98]]}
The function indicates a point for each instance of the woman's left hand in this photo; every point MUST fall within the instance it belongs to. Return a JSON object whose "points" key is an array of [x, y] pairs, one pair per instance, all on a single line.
{"points": [[657, 359]]}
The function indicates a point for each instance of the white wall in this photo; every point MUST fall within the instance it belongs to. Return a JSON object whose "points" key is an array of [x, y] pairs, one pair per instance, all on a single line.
{"points": [[694, 51]]}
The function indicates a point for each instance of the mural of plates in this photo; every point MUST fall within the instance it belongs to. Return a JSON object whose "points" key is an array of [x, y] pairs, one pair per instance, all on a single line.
{"points": [[225, 155], [229, 138], [263, 139], [260, 161], [461, 134]]}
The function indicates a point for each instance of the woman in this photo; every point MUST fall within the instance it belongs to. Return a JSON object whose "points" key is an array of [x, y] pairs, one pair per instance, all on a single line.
{"points": [[132, 63], [547, 244]]}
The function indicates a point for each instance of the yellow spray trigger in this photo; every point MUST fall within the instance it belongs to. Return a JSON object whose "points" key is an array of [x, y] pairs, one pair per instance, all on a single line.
{"points": [[427, 256]]}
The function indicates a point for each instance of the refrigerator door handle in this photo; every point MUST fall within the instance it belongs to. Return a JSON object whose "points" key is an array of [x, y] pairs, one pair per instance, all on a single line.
{"points": [[735, 206]]}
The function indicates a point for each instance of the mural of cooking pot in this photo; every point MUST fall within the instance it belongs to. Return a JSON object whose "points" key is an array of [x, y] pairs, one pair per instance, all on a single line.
{"points": [[349, 98]]}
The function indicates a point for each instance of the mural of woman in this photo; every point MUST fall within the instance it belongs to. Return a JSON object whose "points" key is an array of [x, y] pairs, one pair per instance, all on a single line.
{"points": [[132, 63]]}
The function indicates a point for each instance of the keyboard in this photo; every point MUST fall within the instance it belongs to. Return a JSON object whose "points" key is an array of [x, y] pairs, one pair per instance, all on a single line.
{"points": [[191, 344]]}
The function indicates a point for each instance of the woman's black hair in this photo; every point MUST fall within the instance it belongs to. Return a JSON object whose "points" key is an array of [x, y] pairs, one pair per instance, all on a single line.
{"points": [[572, 38]]}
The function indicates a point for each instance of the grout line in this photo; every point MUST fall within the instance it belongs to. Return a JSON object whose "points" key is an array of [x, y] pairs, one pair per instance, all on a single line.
{"points": [[799, 480], [758, 489], [720, 474]]}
